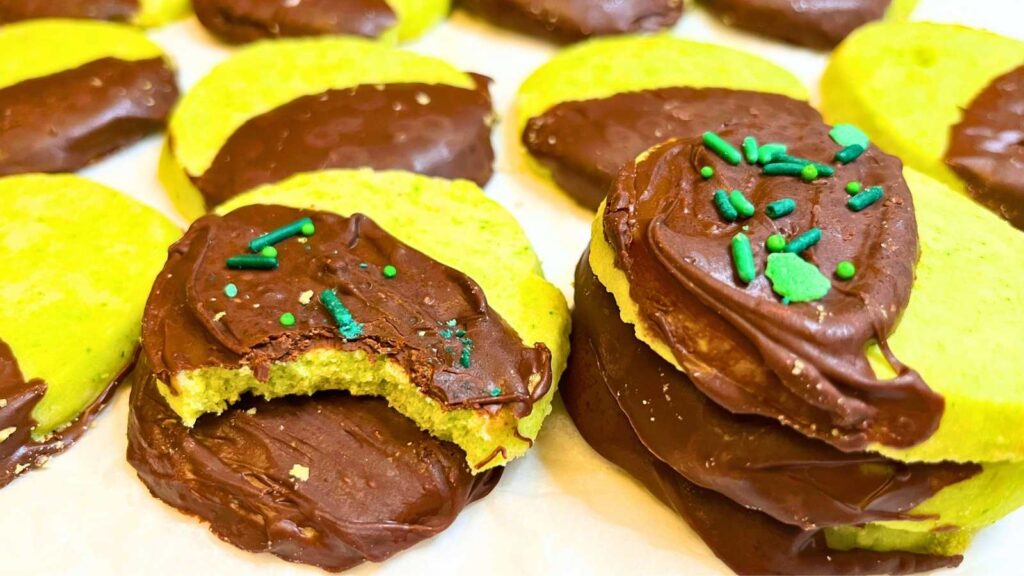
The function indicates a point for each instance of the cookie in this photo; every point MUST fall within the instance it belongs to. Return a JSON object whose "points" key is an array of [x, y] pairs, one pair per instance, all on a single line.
{"points": [[78, 262], [572, 20], [89, 89], [144, 13], [358, 104]]}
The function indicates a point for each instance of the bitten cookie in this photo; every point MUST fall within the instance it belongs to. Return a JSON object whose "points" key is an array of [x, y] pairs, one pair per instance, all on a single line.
{"points": [[144, 13], [88, 89], [572, 20]]}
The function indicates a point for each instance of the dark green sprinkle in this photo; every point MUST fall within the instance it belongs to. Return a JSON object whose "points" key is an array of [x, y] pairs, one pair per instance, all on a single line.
{"points": [[804, 241], [231, 290], [823, 169], [707, 172], [364, 265], [849, 154], [809, 172], [854, 187], [460, 333], [743, 206], [768, 152], [347, 325], [446, 334], [287, 319], [780, 208], [495, 392], [719, 146], [464, 360], [783, 169], [390, 271], [269, 252], [725, 207], [775, 243], [743, 258], [845, 270], [750, 149], [865, 198], [252, 262], [281, 234]]}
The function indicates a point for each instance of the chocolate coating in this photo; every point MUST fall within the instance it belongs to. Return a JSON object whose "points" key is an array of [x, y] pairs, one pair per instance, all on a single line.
{"points": [[18, 398], [820, 24], [571, 20], [112, 10], [987, 147], [66, 121], [239, 21], [754, 461], [431, 129], [404, 318], [747, 541], [803, 364], [377, 484]]}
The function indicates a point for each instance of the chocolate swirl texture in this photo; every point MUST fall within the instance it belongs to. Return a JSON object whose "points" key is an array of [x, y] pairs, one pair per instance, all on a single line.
{"points": [[66, 121], [376, 484], [111, 10], [430, 129], [820, 25], [239, 21], [987, 147], [409, 319], [572, 20], [803, 364]]}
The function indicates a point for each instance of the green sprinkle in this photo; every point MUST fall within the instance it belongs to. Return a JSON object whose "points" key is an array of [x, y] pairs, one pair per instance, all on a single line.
{"points": [[750, 149], [390, 271], [804, 242], [823, 169], [231, 290], [464, 360], [865, 198], [707, 172], [795, 279], [495, 392], [809, 172], [845, 270], [743, 258], [347, 325], [780, 208], [743, 206], [308, 229], [849, 154], [722, 148], [269, 252], [768, 152], [460, 333], [446, 334], [453, 322], [364, 265], [281, 234], [853, 187], [848, 135], [250, 262], [725, 207], [775, 243], [783, 169], [287, 319]]}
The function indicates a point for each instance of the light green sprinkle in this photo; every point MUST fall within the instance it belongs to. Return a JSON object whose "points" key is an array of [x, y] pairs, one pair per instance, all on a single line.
{"points": [[854, 187], [287, 319], [231, 290], [269, 252], [768, 152], [809, 172], [743, 206], [719, 146], [795, 279], [308, 229], [743, 258], [750, 149], [775, 243], [707, 172], [845, 270], [848, 135], [390, 271]]}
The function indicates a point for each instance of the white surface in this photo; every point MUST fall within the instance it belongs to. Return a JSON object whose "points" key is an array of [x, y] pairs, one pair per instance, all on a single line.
{"points": [[561, 510]]}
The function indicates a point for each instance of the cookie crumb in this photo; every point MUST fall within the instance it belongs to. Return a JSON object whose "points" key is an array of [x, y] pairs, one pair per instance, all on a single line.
{"points": [[251, 411], [218, 316], [6, 433], [306, 297], [3, 403], [299, 472]]}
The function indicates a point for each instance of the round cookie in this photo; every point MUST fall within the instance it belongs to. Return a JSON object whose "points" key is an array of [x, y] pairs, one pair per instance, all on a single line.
{"points": [[78, 262], [238, 21], [144, 13], [359, 104], [89, 89], [572, 20], [943, 99]]}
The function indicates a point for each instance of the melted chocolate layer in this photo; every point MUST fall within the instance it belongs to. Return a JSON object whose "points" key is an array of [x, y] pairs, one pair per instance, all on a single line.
{"points": [[422, 318], [747, 541], [63, 122], [987, 147], [18, 398], [803, 364], [376, 484], [240, 21], [585, 143], [112, 10], [816, 24], [430, 129], [753, 461], [571, 20]]}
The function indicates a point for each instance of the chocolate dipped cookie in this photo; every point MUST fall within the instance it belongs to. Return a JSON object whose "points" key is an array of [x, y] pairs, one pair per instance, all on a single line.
{"points": [[572, 20], [144, 13], [78, 262], [311, 105]]}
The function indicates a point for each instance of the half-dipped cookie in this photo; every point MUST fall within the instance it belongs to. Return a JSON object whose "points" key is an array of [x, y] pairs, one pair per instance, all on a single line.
{"points": [[572, 20], [949, 100], [78, 262], [89, 89], [138, 12], [318, 104]]}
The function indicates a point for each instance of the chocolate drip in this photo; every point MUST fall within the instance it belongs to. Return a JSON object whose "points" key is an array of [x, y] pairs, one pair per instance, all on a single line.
{"points": [[430, 129], [747, 541], [63, 122], [239, 21], [18, 398], [376, 484], [585, 143], [987, 147], [422, 318], [820, 25], [805, 363], [571, 20], [112, 10]]}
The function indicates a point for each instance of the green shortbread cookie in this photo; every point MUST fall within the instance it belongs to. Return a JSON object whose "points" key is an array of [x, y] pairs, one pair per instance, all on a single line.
{"points": [[453, 223], [266, 75]]}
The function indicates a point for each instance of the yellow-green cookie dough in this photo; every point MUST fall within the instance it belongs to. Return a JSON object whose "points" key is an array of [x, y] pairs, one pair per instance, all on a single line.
{"points": [[417, 16], [159, 12], [78, 262], [266, 75], [905, 84], [453, 223]]}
